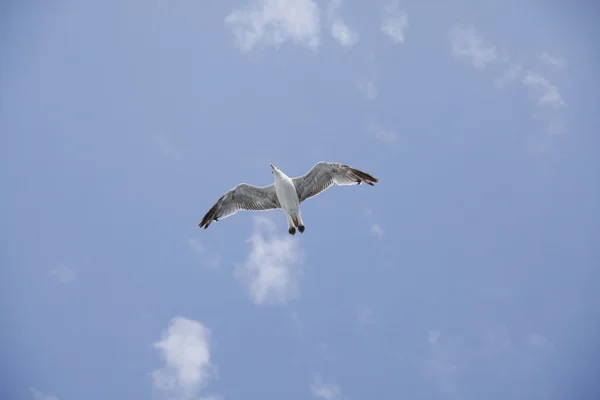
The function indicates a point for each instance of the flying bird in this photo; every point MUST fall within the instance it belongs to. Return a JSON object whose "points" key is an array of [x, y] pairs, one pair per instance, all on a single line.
{"points": [[285, 193]]}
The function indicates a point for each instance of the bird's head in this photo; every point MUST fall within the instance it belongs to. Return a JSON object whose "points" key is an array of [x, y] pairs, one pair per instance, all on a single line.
{"points": [[273, 168]]}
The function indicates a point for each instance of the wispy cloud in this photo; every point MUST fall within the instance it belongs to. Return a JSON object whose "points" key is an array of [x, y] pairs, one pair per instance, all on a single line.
{"points": [[295, 320], [273, 266], [491, 349], [535, 341], [382, 133], [549, 111], [545, 95], [342, 33], [195, 245], [167, 147], [339, 29], [367, 86], [444, 374], [64, 273], [273, 22], [443, 364], [395, 22], [185, 348], [37, 395], [327, 391], [543, 91], [553, 61], [469, 44], [433, 336], [377, 230], [368, 89], [209, 258], [511, 74]]}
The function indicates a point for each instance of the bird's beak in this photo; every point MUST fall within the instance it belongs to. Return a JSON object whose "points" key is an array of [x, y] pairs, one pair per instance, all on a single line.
{"points": [[272, 166]]}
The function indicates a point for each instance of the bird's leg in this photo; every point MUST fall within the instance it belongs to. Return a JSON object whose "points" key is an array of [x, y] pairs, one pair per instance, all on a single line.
{"points": [[291, 228], [296, 221], [300, 224]]}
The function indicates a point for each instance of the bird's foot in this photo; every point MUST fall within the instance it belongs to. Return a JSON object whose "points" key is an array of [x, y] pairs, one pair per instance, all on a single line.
{"points": [[292, 231], [301, 228]]}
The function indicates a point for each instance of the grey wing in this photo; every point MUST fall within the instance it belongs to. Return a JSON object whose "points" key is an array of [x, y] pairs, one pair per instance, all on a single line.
{"points": [[324, 174], [241, 197]]}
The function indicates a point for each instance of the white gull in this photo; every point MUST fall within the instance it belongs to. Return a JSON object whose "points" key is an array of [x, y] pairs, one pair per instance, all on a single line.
{"points": [[285, 193]]}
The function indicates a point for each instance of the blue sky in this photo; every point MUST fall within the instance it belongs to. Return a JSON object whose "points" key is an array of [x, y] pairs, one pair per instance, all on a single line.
{"points": [[470, 271]]}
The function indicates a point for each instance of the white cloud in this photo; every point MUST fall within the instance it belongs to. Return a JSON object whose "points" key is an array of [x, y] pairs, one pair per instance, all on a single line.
{"points": [[343, 34], [395, 23], [327, 391], [273, 266], [468, 43], [64, 273], [274, 22], [185, 348], [37, 395], [433, 336], [543, 90], [339, 30], [555, 62], [377, 230], [535, 341], [382, 133]]}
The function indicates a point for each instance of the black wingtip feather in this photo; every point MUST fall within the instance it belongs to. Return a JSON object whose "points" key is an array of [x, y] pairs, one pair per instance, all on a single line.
{"points": [[209, 216], [366, 178]]}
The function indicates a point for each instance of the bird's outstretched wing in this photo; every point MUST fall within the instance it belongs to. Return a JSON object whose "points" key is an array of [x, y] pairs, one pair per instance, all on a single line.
{"points": [[324, 174], [242, 197]]}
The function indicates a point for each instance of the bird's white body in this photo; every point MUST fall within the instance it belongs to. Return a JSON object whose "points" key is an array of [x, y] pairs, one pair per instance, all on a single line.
{"points": [[288, 198], [285, 193]]}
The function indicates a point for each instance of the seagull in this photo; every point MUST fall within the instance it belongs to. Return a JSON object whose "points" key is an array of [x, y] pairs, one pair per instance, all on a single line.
{"points": [[285, 193]]}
